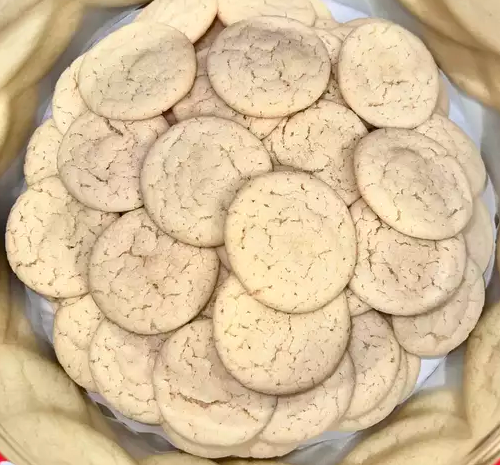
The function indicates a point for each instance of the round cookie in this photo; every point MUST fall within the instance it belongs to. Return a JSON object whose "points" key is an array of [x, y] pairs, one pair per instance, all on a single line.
{"points": [[49, 239], [300, 417], [413, 185], [400, 275], [75, 324], [192, 173], [199, 399], [438, 332], [124, 68], [376, 356], [222, 254], [443, 102], [458, 145], [147, 282], [232, 11], [206, 41], [479, 236], [208, 311], [321, 140], [100, 160], [258, 83], [399, 90], [327, 24], [174, 458], [41, 155], [191, 17], [67, 103], [122, 364], [274, 246], [275, 352], [414, 363], [355, 304]]}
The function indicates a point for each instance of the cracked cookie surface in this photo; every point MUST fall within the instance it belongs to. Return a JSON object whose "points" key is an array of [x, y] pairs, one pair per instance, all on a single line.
{"points": [[137, 72], [122, 364], [286, 69], [199, 399], [192, 173], [291, 241], [49, 239], [411, 182], [146, 281], [275, 352], [100, 160], [387, 76], [401, 275]]}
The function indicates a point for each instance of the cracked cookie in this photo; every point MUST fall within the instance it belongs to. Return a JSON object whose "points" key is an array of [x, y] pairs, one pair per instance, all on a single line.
{"points": [[49, 239], [411, 182], [100, 160], [387, 76], [199, 399], [123, 77], [122, 364], [439, 331], [146, 281], [192, 173], [401, 275], [275, 352], [286, 70], [291, 241]]}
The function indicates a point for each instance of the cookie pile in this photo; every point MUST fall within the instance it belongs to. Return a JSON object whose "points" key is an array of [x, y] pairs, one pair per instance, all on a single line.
{"points": [[312, 159]]}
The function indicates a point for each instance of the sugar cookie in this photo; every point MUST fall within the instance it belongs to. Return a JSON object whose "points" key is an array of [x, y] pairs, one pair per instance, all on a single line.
{"points": [[413, 185], [414, 364], [376, 356], [400, 275], [275, 352], [206, 41], [124, 68], [321, 140], [208, 311], [147, 282], [74, 327], [355, 304], [100, 160], [272, 240], [122, 364], [300, 417], [41, 154], [399, 90], [199, 398], [191, 17], [327, 24], [49, 239], [192, 173], [174, 458], [242, 76]]}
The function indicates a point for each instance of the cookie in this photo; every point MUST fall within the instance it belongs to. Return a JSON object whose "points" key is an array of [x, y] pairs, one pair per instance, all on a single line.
{"points": [[74, 327], [100, 160], [400, 275], [174, 458], [445, 401], [413, 185], [199, 399], [49, 239], [274, 352], [376, 356], [224, 259], [443, 102], [192, 173], [458, 145], [208, 311], [414, 363], [41, 154], [479, 236], [399, 91], [67, 103], [300, 417], [355, 304], [191, 17], [206, 41], [321, 140], [328, 24], [300, 66], [118, 69], [232, 11], [272, 240], [147, 282], [122, 364]]}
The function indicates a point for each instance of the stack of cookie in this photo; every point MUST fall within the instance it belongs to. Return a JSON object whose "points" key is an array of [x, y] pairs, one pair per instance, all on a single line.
{"points": [[348, 254]]}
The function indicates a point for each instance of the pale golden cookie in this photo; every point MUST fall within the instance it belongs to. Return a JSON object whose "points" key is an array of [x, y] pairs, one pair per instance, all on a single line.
{"points": [[147, 282], [411, 182], [414, 363], [207, 39], [208, 311], [327, 24], [401, 275], [257, 83], [355, 304], [275, 352], [174, 458]]}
